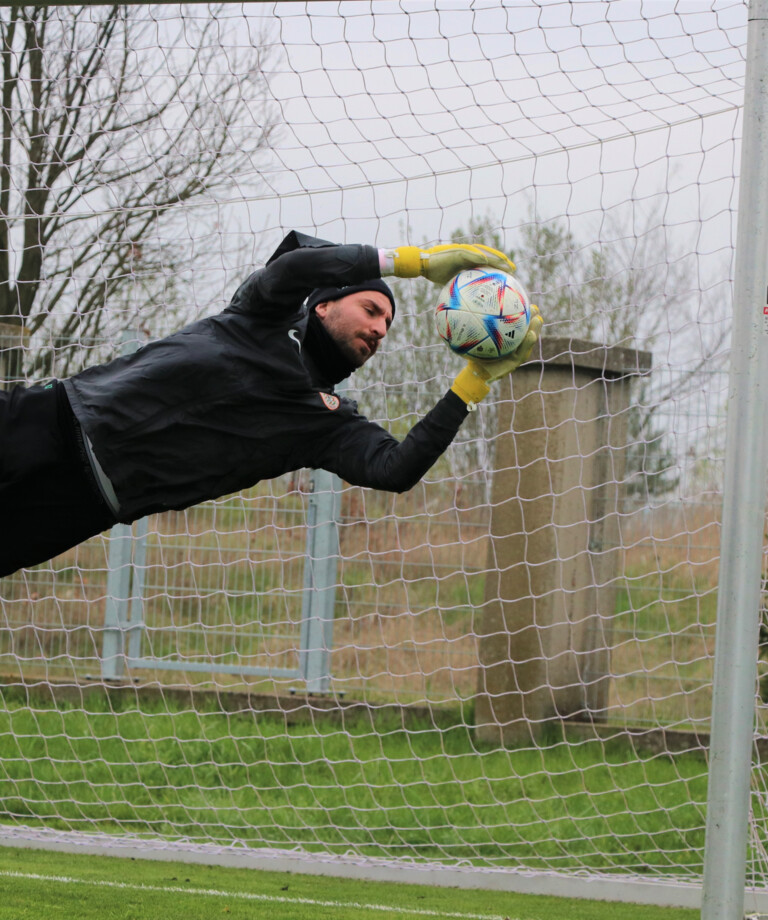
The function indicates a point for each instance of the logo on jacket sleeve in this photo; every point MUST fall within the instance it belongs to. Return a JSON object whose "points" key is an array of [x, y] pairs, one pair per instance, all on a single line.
{"points": [[331, 401], [293, 335]]}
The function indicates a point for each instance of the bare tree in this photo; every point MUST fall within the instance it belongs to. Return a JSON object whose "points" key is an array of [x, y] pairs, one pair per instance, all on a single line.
{"points": [[110, 123]]}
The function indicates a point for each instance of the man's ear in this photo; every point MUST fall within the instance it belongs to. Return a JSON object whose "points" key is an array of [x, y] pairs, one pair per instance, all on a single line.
{"points": [[322, 309]]}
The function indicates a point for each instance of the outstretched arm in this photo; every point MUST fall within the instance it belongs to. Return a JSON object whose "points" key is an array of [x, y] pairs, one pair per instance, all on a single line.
{"points": [[365, 454], [290, 276]]}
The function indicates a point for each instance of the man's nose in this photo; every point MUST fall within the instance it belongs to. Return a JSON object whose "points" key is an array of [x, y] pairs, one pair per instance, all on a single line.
{"points": [[380, 327]]}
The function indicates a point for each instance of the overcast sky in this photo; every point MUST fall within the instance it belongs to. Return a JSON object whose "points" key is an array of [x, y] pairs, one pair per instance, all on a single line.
{"points": [[431, 112]]}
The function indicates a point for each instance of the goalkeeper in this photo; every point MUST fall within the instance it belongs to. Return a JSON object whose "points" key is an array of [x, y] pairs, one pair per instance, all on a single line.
{"points": [[229, 400]]}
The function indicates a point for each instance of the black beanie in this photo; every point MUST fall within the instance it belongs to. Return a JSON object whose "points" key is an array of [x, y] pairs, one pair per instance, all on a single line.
{"points": [[321, 295]]}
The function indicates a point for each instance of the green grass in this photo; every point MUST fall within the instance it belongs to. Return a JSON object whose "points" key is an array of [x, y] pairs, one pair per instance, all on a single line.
{"points": [[369, 786], [663, 634], [36, 884]]}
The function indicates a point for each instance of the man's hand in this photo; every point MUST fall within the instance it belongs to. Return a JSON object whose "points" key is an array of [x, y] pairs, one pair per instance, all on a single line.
{"points": [[473, 383], [441, 263]]}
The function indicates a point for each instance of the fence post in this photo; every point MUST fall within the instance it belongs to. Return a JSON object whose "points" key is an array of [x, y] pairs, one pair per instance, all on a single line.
{"points": [[320, 569], [124, 610], [136, 611], [741, 540], [116, 610]]}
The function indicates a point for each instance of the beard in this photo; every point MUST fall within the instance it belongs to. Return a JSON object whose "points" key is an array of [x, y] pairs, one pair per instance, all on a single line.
{"points": [[348, 343], [352, 352]]}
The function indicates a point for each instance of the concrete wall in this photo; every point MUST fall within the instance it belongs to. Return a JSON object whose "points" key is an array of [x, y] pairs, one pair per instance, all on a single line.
{"points": [[554, 557]]}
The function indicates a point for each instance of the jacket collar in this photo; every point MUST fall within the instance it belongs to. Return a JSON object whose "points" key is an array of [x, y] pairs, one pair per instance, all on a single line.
{"points": [[326, 362]]}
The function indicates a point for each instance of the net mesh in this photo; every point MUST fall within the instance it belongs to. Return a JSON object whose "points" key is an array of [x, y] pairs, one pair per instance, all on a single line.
{"points": [[517, 667]]}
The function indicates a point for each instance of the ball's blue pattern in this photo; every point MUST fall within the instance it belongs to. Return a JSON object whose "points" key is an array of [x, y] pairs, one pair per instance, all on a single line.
{"points": [[482, 332]]}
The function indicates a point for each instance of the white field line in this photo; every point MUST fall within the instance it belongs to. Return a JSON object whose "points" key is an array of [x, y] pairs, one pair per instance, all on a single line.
{"points": [[247, 896]]}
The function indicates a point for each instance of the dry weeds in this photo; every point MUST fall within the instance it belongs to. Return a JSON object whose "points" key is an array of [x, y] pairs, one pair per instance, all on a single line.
{"points": [[224, 582]]}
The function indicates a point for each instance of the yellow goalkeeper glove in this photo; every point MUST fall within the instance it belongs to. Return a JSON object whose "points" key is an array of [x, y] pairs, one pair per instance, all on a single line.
{"points": [[473, 382], [441, 263]]}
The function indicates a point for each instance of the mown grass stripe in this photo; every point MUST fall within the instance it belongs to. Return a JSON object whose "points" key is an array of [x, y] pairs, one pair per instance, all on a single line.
{"points": [[248, 896]]}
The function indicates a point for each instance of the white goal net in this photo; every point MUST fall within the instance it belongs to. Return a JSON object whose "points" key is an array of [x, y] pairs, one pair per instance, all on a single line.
{"points": [[508, 667]]}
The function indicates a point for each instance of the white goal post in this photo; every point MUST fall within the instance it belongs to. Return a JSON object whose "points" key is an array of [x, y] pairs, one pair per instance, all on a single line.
{"points": [[506, 677]]}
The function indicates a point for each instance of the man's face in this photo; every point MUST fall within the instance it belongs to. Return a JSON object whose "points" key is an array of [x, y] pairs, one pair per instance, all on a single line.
{"points": [[357, 322]]}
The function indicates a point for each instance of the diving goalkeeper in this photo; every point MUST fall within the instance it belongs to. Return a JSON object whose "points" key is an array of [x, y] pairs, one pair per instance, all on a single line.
{"points": [[229, 400]]}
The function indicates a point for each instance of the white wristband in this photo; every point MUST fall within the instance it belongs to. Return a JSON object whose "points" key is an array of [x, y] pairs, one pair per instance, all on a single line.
{"points": [[386, 262]]}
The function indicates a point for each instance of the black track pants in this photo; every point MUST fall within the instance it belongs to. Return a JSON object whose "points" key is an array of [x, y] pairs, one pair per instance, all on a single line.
{"points": [[48, 500]]}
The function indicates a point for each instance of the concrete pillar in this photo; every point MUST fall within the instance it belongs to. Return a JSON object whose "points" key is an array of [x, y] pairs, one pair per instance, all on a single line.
{"points": [[553, 559], [13, 338]]}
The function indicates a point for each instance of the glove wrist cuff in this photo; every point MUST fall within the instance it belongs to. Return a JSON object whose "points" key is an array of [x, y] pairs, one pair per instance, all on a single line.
{"points": [[470, 386], [407, 262]]}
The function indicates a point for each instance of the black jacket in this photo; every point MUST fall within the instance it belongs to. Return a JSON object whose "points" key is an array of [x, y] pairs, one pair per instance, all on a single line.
{"points": [[230, 400]]}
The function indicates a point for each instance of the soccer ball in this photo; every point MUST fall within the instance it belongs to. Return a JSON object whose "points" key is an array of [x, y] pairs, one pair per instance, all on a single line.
{"points": [[483, 313]]}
